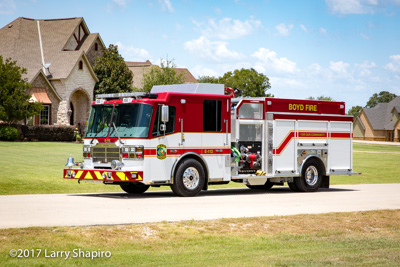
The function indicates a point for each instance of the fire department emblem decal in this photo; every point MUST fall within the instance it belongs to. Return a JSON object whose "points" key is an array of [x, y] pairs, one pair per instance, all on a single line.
{"points": [[161, 151]]}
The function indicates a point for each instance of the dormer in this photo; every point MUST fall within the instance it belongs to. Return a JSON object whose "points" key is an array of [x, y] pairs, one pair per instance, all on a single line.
{"points": [[395, 113], [77, 38]]}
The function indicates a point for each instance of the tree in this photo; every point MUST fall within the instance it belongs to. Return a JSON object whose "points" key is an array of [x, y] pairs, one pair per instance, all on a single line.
{"points": [[249, 81], [161, 76], [207, 79], [14, 99], [113, 73], [355, 111], [382, 97], [327, 98]]}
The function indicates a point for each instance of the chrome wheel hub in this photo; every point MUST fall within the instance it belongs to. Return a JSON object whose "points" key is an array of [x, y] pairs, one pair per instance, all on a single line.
{"points": [[311, 175], [191, 178]]}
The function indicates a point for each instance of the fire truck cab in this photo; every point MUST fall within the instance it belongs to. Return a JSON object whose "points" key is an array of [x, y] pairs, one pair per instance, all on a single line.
{"points": [[192, 135]]}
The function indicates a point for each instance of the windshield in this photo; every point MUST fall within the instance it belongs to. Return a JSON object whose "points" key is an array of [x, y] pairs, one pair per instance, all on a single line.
{"points": [[131, 120]]}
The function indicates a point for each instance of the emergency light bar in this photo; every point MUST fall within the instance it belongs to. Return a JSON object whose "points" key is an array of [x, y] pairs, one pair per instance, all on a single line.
{"points": [[121, 95]]}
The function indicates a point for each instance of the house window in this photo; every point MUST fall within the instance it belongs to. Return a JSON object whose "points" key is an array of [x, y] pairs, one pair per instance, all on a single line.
{"points": [[96, 47], [44, 115], [80, 65], [212, 115]]}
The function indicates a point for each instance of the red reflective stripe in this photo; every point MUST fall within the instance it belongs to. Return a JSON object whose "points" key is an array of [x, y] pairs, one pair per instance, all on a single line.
{"points": [[179, 151], [114, 175], [284, 143], [341, 135], [278, 150]]}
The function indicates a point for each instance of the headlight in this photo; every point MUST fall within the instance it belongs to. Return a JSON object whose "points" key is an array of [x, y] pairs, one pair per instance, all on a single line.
{"points": [[86, 151], [132, 152]]}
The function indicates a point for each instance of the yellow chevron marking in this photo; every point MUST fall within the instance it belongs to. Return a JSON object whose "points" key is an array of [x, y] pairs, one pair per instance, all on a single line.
{"points": [[98, 175], [78, 175], [139, 178], [122, 176], [88, 176]]}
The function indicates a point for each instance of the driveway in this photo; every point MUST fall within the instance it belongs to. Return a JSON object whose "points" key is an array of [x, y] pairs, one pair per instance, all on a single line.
{"points": [[120, 208]]}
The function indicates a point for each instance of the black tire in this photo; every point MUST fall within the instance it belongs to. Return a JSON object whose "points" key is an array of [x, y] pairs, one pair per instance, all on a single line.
{"points": [[293, 186], [268, 185], [132, 188], [189, 178], [311, 177]]}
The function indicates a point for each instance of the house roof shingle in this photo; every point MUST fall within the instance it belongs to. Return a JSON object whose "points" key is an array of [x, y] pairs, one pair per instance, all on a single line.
{"points": [[20, 41], [380, 116]]}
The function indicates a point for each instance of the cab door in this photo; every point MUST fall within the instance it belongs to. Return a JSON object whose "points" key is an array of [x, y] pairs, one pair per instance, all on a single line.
{"points": [[165, 142]]}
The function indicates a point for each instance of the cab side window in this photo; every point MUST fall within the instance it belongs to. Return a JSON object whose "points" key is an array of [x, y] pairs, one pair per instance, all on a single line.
{"points": [[170, 125], [212, 115]]}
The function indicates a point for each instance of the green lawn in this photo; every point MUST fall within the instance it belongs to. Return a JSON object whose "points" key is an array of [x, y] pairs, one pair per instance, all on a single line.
{"points": [[352, 239], [36, 168]]}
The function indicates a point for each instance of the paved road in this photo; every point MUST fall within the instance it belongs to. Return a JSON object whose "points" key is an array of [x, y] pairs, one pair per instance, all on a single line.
{"points": [[119, 208]]}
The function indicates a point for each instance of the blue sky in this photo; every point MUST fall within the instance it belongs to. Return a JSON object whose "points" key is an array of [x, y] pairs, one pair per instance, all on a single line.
{"points": [[345, 49]]}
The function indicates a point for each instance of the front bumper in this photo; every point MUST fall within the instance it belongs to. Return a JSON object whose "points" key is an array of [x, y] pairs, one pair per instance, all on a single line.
{"points": [[103, 175]]}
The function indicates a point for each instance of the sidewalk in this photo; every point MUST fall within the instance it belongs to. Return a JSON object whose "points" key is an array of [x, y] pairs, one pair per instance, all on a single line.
{"points": [[377, 142]]}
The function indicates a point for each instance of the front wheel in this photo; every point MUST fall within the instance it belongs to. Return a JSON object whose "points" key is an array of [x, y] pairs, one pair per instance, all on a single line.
{"points": [[189, 178], [132, 188], [311, 177]]}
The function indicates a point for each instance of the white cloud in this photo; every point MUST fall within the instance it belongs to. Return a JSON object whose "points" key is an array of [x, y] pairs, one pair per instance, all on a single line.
{"points": [[314, 69], [7, 7], [283, 29], [351, 6], [286, 82], [268, 60], [228, 28], [304, 28], [217, 10], [365, 68], [359, 6], [216, 51], [121, 3], [364, 36], [131, 53], [366, 65], [167, 5], [339, 67], [322, 30], [394, 66], [199, 70]]}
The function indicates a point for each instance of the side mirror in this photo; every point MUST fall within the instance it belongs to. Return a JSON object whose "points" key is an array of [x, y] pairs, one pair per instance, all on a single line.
{"points": [[164, 113]]}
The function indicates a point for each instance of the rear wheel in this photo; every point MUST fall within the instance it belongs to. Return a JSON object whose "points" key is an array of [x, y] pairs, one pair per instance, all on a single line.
{"points": [[189, 178], [293, 186], [132, 188], [311, 177], [268, 185]]}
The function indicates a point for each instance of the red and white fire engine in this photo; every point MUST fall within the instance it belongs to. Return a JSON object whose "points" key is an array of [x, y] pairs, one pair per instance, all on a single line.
{"points": [[190, 136]]}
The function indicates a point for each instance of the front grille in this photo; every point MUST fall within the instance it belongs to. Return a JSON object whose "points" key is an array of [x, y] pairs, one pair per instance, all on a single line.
{"points": [[105, 153]]}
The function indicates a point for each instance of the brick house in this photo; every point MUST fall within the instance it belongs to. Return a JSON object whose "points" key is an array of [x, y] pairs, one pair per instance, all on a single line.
{"points": [[58, 55], [139, 69], [380, 123]]}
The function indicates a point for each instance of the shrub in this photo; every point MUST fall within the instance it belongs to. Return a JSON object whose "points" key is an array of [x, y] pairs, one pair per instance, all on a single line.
{"points": [[49, 132], [8, 133]]}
